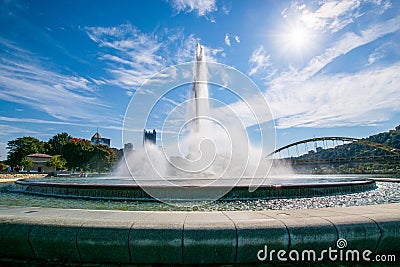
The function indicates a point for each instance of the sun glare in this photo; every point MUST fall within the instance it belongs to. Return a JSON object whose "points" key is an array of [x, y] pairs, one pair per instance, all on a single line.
{"points": [[298, 37], [296, 40]]}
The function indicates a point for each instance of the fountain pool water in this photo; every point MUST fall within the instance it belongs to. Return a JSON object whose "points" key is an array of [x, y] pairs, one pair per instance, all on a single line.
{"points": [[127, 189], [384, 192]]}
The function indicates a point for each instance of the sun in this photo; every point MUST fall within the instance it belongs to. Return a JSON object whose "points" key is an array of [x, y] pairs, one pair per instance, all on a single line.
{"points": [[298, 37], [296, 40]]}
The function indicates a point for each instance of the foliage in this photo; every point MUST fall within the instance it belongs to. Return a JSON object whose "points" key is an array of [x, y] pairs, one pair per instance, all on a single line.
{"points": [[119, 154], [22, 147], [103, 158], [25, 162], [3, 166], [57, 162], [81, 154], [78, 153], [67, 151], [58, 142]]}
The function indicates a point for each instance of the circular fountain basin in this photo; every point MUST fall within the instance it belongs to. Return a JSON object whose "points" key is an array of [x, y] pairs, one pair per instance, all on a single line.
{"points": [[126, 189]]}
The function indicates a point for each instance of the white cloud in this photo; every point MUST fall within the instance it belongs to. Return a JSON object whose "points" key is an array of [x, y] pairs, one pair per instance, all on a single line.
{"points": [[227, 40], [381, 52], [382, 5], [374, 56], [226, 8], [11, 130], [259, 61], [129, 40], [135, 56], [185, 52], [24, 80], [212, 54], [363, 98], [347, 43], [39, 121], [330, 15], [202, 7], [310, 97], [333, 15]]}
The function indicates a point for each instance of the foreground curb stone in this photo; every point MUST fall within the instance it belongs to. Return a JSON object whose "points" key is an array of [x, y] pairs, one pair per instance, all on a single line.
{"points": [[230, 237]]}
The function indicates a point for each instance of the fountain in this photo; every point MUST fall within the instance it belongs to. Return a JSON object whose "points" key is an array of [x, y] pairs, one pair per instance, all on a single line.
{"points": [[204, 170], [201, 172]]}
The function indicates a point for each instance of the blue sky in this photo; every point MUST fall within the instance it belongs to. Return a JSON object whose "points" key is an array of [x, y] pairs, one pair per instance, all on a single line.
{"points": [[327, 68]]}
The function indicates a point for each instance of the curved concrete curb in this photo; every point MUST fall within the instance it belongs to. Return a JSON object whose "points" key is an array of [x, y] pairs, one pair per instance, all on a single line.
{"points": [[89, 236]]}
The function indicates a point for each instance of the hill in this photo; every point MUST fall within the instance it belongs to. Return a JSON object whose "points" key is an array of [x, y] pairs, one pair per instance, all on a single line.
{"points": [[365, 158]]}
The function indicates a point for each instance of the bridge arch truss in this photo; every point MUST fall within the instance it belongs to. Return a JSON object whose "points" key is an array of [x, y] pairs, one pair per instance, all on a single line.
{"points": [[389, 149]]}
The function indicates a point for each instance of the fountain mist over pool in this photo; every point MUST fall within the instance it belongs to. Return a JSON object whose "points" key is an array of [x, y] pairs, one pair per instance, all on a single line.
{"points": [[214, 152], [207, 144]]}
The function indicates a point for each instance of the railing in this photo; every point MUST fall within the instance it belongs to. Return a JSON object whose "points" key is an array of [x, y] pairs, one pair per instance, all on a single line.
{"points": [[391, 150]]}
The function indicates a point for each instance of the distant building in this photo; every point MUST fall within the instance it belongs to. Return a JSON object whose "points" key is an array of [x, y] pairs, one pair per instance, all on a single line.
{"points": [[128, 147], [149, 136], [97, 139], [40, 162]]}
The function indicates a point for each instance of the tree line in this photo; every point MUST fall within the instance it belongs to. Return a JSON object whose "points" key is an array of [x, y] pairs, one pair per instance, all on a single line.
{"points": [[67, 153]]}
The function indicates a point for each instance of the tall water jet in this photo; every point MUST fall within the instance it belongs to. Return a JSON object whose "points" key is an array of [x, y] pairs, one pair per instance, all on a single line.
{"points": [[200, 89], [200, 126]]}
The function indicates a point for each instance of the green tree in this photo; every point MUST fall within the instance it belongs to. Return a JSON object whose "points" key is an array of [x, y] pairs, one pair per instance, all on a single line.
{"points": [[3, 166], [103, 158], [26, 163], [77, 153], [57, 162], [23, 146], [58, 142]]}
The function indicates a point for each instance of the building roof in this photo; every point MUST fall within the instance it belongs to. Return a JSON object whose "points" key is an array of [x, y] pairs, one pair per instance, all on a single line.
{"points": [[96, 136], [39, 155]]}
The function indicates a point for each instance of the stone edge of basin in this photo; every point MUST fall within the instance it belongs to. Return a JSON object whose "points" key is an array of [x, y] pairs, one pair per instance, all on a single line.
{"points": [[224, 237]]}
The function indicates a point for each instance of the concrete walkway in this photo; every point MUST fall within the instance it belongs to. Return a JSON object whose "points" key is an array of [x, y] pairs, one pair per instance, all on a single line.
{"points": [[89, 236], [12, 177]]}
